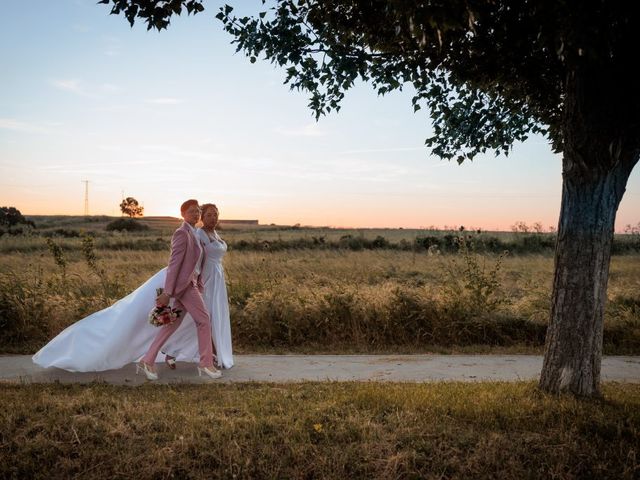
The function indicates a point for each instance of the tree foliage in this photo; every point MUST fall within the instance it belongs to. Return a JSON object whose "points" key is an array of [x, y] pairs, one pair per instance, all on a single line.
{"points": [[491, 72], [131, 207], [11, 216], [156, 13]]}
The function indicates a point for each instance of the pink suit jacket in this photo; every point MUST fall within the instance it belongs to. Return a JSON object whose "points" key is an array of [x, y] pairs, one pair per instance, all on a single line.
{"points": [[185, 251]]}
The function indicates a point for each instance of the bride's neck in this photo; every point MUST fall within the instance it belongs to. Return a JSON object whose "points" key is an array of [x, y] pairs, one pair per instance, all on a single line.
{"points": [[209, 229]]}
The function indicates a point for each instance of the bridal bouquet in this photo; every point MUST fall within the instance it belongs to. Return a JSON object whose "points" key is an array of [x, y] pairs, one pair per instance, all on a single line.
{"points": [[160, 316]]}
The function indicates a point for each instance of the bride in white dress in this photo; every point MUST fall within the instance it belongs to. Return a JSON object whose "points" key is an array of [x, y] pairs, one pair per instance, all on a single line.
{"points": [[121, 334]]}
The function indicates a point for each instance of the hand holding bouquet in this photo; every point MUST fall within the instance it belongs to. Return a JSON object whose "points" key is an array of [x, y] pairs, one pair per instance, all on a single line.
{"points": [[162, 315]]}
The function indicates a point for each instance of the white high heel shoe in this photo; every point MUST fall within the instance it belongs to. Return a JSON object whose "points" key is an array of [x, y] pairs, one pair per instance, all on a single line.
{"points": [[211, 372], [141, 366]]}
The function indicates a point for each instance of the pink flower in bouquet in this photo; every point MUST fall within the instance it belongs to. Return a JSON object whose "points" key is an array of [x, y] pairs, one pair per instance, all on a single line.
{"points": [[163, 315]]}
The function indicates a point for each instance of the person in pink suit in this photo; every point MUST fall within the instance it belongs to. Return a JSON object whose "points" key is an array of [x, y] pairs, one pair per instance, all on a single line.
{"points": [[182, 283]]}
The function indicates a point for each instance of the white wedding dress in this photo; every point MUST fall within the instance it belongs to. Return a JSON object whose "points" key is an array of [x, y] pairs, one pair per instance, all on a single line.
{"points": [[121, 334]]}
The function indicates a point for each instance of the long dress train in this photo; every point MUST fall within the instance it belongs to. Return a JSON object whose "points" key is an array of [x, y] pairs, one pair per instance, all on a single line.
{"points": [[121, 334]]}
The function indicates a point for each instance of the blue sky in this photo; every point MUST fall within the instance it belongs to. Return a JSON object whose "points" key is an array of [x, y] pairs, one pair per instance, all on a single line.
{"points": [[167, 116]]}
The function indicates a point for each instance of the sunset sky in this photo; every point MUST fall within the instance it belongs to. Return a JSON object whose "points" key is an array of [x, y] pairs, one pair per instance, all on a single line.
{"points": [[168, 116]]}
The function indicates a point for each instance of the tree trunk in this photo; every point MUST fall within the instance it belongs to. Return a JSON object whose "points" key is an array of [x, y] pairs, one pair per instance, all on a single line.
{"points": [[590, 201]]}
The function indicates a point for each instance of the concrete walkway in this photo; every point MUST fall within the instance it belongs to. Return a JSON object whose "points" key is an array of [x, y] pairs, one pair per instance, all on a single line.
{"points": [[297, 368]]}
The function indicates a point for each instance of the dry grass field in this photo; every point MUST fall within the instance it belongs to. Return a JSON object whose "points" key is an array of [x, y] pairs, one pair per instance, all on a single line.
{"points": [[317, 430], [310, 295], [321, 291]]}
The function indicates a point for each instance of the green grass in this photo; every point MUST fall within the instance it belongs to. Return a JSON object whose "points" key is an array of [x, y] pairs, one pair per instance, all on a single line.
{"points": [[317, 430]]}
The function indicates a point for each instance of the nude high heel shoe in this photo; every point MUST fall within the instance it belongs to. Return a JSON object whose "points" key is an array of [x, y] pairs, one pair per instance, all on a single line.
{"points": [[211, 372], [141, 366]]}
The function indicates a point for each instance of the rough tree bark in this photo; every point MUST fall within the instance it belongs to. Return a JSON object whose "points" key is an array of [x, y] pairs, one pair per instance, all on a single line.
{"points": [[597, 163], [585, 233]]}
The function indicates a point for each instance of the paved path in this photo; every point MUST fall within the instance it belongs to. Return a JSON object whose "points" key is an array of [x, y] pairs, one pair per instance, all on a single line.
{"points": [[295, 368]]}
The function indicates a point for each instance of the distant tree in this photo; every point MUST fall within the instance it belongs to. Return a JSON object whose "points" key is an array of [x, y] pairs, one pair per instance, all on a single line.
{"points": [[131, 207], [491, 73], [520, 226], [632, 229], [537, 227], [11, 216]]}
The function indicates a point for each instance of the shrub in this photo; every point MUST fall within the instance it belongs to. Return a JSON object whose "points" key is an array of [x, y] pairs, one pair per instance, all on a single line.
{"points": [[471, 283], [62, 232], [58, 256], [112, 288], [11, 216], [126, 224]]}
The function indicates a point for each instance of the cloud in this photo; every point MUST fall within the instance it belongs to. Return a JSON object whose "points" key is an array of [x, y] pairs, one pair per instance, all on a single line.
{"points": [[309, 130], [79, 87], [112, 46], [174, 151], [364, 170], [70, 85], [381, 150], [164, 101], [19, 126], [73, 86], [109, 88], [113, 108]]}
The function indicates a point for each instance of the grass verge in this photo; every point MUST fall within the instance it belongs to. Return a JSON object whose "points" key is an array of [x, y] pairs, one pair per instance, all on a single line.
{"points": [[317, 430]]}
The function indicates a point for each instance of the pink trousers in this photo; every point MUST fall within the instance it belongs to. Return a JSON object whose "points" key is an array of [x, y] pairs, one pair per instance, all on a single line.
{"points": [[189, 302]]}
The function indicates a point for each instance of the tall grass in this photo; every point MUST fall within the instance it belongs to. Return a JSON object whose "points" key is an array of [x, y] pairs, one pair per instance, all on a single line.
{"points": [[325, 301], [35, 304]]}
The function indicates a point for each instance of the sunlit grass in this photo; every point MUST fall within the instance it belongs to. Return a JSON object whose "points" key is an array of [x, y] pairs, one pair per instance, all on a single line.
{"points": [[317, 430]]}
